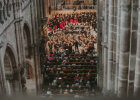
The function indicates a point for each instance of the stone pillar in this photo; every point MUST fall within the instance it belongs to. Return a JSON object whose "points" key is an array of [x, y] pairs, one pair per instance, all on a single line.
{"points": [[137, 69], [2, 73], [1, 15], [114, 38], [44, 8], [105, 40], [41, 8], [1, 77], [117, 47], [100, 66], [133, 43], [124, 46], [110, 44], [36, 30], [20, 48]]}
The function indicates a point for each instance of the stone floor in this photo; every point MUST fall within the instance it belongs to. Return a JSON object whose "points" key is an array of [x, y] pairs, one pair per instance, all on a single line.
{"points": [[30, 84]]}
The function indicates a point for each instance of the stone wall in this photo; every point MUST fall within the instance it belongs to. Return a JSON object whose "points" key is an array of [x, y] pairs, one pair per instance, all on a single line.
{"points": [[120, 45], [14, 16]]}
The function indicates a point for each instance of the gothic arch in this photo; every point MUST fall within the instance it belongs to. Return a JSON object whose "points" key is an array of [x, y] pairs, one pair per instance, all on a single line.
{"points": [[9, 61], [27, 40], [29, 71], [11, 72]]}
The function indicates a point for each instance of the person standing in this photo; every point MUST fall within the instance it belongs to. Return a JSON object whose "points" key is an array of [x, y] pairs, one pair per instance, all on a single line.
{"points": [[76, 45], [70, 48]]}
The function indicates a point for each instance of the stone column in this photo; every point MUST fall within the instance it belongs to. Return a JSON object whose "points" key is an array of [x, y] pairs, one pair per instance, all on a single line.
{"points": [[20, 49], [117, 47], [46, 7], [1, 76], [110, 44], [105, 41], [124, 46], [36, 30], [137, 69], [133, 43], [114, 38], [100, 66], [1, 15], [41, 8], [2, 73]]}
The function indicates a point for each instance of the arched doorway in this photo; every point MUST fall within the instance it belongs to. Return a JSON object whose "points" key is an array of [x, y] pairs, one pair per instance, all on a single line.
{"points": [[29, 69], [27, 41], [30, 80], [11, 72], [29, 72]]}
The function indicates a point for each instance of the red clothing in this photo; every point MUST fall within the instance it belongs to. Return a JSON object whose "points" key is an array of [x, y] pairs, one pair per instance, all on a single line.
{"points": [[61, 25], [76, 21], [67, 21], [71, 21], [51, 56], [55, 26], [50, 28], [64, 23]]}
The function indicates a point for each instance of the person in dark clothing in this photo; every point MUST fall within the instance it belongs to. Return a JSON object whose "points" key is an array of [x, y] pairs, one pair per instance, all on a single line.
{"points": [[79, 19], [58, 24], [70, 48], [76, 45]]}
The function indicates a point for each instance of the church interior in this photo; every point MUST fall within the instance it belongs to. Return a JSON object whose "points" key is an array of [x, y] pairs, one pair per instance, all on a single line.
{"points": [[70, 48]]}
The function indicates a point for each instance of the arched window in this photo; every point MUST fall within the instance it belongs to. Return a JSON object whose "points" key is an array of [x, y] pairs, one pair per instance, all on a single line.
{"points": [[27, 41]]}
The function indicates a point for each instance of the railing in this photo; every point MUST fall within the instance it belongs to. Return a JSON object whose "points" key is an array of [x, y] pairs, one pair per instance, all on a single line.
{"points": [[74, 7]]}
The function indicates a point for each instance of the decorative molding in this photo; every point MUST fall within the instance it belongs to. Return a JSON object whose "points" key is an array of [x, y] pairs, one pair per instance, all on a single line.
{"points": [[5, 10]]}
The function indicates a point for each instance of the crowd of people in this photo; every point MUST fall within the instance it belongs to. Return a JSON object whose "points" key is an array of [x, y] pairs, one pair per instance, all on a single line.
{"points": [[60, 20], [72, 33], [69, 35]]}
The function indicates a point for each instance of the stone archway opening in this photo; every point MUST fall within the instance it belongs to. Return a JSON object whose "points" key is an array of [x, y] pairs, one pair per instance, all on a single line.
{"points": [[27, 41], [11, 72], [29, 72], [30, 80], [29, 67]]}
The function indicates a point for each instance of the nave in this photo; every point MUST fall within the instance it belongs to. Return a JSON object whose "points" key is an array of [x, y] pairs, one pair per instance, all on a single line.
{"points": [[69, 54]]}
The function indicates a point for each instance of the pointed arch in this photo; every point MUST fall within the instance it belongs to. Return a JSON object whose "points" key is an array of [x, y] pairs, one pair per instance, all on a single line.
{"points": [[27, 40], [11, 71]]}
